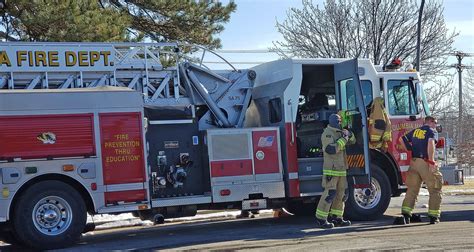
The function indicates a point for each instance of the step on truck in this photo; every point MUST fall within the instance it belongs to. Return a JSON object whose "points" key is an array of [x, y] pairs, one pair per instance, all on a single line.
{"points": [[108, 128]]}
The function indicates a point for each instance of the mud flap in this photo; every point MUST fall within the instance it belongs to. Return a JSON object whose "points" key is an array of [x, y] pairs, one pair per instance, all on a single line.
{"points": [[361, 181]]}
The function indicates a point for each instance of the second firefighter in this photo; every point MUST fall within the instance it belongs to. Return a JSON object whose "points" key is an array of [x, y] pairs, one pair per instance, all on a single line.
{"points": [[330, 209]]}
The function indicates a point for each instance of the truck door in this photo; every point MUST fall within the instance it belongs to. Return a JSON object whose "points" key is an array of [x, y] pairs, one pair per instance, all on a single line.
{"points": [[320, 96], [350, 100], [405, 114]]}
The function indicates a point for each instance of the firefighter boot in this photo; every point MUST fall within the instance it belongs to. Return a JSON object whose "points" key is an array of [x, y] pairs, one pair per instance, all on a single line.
{"points": [[402, 220], [434, 220], [415, 218], [407, 218], [324, 224], [338, 221]]}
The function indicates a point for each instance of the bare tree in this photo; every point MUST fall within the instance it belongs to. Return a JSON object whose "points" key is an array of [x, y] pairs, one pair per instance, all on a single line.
{"points": [[439, 94], [375, 29]]}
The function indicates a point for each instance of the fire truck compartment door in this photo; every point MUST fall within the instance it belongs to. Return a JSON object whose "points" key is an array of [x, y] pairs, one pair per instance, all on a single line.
{"points": [[356, 120], [245, 162], [123, 157]]}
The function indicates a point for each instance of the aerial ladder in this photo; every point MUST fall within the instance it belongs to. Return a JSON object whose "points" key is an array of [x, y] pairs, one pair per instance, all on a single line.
{"points": [[160, 71]]}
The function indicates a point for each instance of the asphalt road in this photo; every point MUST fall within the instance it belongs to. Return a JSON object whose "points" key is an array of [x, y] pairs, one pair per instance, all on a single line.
{"points": [[455, 232]]}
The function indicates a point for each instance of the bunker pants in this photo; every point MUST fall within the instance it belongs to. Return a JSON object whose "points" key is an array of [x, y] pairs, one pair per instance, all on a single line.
{"points": [[333, 198], [419, 171]]}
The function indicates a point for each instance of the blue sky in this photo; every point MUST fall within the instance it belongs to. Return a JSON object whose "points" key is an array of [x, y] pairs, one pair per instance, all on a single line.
{"points": [[252, 26]]}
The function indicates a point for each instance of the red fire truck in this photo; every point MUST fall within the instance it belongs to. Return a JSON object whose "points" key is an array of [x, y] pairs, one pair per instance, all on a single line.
{"points": [[108, 128]]}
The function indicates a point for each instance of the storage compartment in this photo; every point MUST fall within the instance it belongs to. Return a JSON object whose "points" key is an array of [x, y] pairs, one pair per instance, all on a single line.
{"points": [[122, 148], [245, 162], [46, 136]]}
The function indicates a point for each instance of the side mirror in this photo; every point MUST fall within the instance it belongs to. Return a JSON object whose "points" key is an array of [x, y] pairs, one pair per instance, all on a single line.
{"points": [[439, 128]]}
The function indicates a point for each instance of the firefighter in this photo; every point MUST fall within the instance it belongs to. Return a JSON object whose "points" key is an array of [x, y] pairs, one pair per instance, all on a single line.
{"points": [[380, 128], [421, 141], [331, 205]]}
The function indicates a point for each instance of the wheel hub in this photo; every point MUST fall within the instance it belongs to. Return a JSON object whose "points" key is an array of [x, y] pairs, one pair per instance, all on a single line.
{"points": [[367, 192], [368, 198], [52, 215]]}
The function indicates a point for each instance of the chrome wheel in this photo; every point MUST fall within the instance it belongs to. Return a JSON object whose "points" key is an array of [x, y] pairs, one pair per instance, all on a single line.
{"points": [[368, 198], [52, 215]]}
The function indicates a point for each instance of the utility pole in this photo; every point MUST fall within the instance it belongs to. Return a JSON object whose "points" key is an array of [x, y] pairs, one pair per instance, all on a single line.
{"points": [[459, 67], [460, 56], [418, 36]]}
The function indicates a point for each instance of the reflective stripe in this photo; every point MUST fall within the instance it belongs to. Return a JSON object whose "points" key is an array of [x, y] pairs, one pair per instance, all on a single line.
{"points": [[352, 139], [404, 168], [375, 138], [434, 213], [387, 136], [293, 175], [321, 214], [341, 143], [124, 187], [407, 210], [336, 212], [334, 173]]}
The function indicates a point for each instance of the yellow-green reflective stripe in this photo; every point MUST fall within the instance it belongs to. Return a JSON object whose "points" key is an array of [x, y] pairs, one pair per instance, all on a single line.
{"points": [[374, 138], [340, 173], [352, 137], [322, 214], [336, 212], [328, 172], [321, 211], [341, 143], [406, 209], [435, 213], [334, 173]]}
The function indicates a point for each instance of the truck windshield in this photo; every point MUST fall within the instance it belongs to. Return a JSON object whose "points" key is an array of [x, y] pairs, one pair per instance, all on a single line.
{"points": [[401, 97]]}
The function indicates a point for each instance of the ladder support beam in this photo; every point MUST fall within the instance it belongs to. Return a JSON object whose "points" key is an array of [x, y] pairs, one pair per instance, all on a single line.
{"points": [[34, 82]]}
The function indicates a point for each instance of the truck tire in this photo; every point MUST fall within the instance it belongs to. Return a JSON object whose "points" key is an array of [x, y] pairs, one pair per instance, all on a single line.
{"points": [[9, 238], [49, 215], [369, 203]]}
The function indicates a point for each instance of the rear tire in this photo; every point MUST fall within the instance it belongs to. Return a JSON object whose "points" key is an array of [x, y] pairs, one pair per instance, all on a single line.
{"points": [[49, 215], [369, 203]]}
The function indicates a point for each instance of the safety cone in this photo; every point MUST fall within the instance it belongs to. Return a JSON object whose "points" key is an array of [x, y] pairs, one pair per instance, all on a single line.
{"points": [[281, 212]]}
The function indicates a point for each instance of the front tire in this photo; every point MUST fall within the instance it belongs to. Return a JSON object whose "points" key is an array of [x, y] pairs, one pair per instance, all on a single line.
{"points": [[49, 215], [9, 238], [369, 203]]}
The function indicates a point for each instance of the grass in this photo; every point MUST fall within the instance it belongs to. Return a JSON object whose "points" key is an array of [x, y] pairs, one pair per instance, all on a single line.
{"points": [[466, 189]]}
